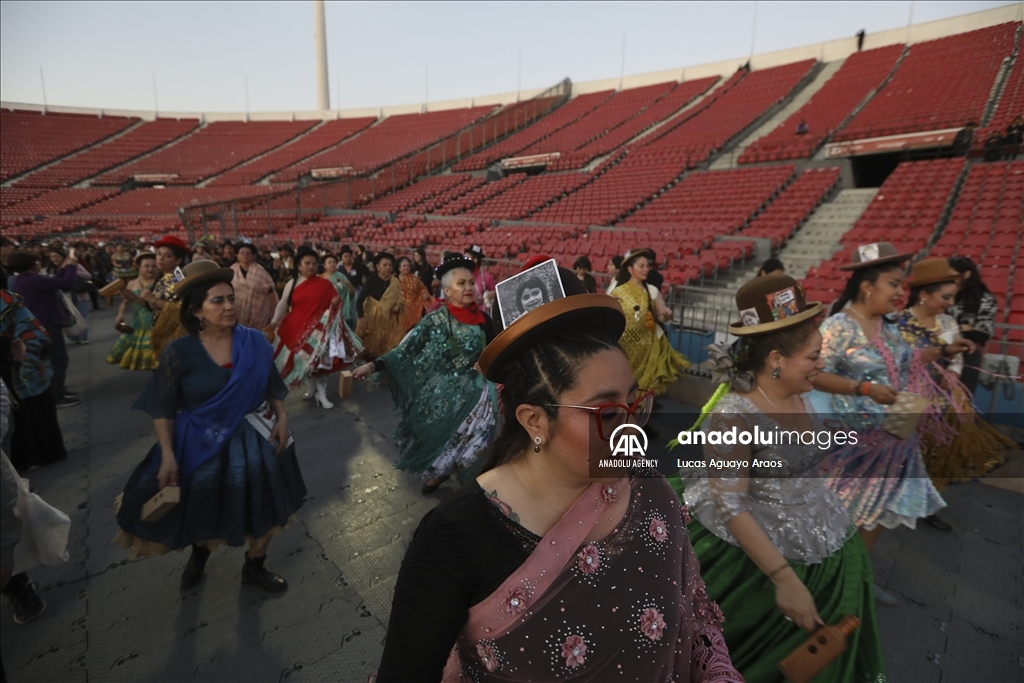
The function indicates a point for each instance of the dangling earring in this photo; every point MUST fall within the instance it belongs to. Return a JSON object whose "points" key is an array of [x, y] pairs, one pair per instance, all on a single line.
{"points": [[536, 444], [202, 325], [777, 372], [921, 302]]}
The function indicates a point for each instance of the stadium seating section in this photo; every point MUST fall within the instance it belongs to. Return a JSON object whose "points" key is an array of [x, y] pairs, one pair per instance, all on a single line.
{"points": [[942, 83], [514, 145], [213, 149], [1011, 104], [784, 215], [906, 212], [861, 73], [319, 138], [140, 140], [390, 139], [607, 116], [730, 109], [672, 102], [29, 139]]}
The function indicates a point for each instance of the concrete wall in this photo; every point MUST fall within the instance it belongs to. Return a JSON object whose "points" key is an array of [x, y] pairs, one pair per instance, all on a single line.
{"points": [[826, 52]]}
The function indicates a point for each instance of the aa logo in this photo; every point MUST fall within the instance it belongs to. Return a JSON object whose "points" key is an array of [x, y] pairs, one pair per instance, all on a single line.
{"points": [[628, 440]]}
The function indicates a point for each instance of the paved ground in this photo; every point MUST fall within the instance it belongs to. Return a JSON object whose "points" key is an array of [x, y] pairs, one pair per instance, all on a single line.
{"points": [[108, 619]]}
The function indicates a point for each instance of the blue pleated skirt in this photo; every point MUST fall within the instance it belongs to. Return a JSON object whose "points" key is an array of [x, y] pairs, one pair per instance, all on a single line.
{"points": [[247, 492]]}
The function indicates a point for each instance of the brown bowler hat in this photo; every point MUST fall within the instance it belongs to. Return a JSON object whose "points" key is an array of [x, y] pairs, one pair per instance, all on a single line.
{"points": [[931, 271], [772, 303], [577, 310], [868, 255], [200, 272]]}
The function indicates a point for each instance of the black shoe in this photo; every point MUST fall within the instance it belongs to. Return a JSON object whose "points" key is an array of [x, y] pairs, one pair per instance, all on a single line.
{"points": [[934, 521], [254, 573], [68, 400], [431, 485], [25, 602], [195, 568]]}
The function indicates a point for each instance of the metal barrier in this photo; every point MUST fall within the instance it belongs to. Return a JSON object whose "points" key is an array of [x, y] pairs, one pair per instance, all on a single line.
{"points": [[277, 211], [1000, 390]]}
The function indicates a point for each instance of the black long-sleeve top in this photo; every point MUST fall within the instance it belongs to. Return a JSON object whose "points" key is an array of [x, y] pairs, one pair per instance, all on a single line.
{"points": [[462, 551]]}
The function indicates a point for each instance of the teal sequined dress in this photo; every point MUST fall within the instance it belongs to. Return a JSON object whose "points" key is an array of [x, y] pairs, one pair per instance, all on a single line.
{"points": [[448, 409]]}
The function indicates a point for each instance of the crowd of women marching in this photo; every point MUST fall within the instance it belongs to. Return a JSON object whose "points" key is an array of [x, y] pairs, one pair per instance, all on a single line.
{"points": [[532, 569]]}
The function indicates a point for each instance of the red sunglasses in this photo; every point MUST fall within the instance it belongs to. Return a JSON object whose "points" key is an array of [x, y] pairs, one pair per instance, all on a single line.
{"points": [[611, 415]]}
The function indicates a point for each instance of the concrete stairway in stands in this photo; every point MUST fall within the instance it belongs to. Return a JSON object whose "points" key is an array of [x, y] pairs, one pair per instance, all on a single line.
{"points": [[728, 160], [819, 237]]}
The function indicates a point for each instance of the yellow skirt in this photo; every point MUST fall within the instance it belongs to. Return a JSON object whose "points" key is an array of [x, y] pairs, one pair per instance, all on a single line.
{"points": [[655, 364]]}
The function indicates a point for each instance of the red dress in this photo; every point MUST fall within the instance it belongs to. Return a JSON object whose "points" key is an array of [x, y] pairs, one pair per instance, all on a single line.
{"points": [[312, 339], [310, 299]]}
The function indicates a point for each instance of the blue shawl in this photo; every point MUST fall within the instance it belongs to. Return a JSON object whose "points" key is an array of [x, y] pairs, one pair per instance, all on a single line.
{"points": [[202, 433]]}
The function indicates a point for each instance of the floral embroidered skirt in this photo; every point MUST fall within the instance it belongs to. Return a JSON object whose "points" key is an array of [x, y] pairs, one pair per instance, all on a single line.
{"points": [[463, 449], [245, 493]]}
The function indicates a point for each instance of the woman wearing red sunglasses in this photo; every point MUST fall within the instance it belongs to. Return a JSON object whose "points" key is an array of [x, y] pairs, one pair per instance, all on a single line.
{"points": [[537, 571]]}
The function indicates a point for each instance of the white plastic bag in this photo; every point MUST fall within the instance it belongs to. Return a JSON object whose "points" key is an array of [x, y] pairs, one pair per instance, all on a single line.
{"points": [[78, 322], [44, 532]]}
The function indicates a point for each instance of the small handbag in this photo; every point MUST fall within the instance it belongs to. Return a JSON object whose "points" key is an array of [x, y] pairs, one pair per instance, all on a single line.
{"points": [[905, 414]]}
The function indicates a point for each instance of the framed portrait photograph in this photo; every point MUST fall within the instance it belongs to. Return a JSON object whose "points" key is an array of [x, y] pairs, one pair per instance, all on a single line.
{"points": [[526, 291]]}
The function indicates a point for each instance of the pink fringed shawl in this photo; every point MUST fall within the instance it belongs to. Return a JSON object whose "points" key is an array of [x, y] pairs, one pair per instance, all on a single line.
{"points": [[628, 606]]}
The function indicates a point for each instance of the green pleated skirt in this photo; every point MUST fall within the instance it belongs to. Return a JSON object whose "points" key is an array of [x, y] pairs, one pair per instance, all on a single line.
{"points": [[757, 633]]}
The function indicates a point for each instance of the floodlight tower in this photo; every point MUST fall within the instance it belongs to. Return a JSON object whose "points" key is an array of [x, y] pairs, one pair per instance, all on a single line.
{"points": [[323, 94]]}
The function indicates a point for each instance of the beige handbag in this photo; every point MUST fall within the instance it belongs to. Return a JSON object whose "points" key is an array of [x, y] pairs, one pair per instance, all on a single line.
{"points": [[905, 414]]}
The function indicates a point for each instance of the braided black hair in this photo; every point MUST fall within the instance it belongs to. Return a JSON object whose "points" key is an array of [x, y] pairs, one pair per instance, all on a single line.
{"points": [[538, 377]]}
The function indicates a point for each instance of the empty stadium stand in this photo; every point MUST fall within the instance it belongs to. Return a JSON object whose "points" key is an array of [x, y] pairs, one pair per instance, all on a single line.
{"points": [[213, 149], [861, 73], [608, 115], [619, 189], [521, 200], [479, 195], [788, 212], [436, 187], [940, 84], [62, 201], [1011, 102], [392, 138], [30, 139], [738, 104], [512, 146], [140, 140], [669, 104], [317, 139]]}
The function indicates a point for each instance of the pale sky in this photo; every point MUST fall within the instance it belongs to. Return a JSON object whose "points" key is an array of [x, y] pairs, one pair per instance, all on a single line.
{"points": [[105, 54]]}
